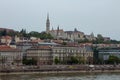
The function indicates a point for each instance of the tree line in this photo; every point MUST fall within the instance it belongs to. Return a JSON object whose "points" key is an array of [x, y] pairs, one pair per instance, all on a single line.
{"points": [[24, 33]]}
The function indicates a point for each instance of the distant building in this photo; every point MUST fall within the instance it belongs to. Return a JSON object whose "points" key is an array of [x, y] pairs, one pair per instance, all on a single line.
{"points": [[104, 53], [106, 45], [90, 37], [7, 30], [10, 56], [13, 44], [75, 35], [47, 44], [6, 39], [45, 55], [106, 38], [65, 53], [58, 34], [70, 35], [25, 45]]}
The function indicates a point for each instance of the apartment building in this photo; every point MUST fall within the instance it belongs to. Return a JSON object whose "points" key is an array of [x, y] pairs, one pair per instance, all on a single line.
{"points": [[45, 55], [10, 56]]}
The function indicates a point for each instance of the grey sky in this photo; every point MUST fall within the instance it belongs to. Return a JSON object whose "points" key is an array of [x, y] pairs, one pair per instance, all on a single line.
{"points": [[98, 16]]}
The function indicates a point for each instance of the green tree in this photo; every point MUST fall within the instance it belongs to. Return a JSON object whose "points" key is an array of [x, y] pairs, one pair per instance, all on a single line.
{"points": [[80, 60], [23, 33], [84, 41], [12, 34], [100, 38], [113, 59], [45, 36], [3, 33], [29, 61], [64, 43], [56, 60], [34, 34], [73, 60]]}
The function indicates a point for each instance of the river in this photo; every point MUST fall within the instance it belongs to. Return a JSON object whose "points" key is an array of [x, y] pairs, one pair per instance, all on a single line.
{"points": [[100, 76]]}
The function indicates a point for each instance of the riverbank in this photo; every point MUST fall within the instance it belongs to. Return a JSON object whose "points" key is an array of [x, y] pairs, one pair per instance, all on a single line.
{"points": [[60, 72], [61, 69]]}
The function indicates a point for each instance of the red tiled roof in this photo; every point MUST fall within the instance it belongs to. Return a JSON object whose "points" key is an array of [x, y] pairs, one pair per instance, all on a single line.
{"points": [[40, 48], [7, 49]]}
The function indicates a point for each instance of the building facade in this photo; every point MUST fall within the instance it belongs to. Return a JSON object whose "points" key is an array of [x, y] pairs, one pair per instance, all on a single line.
{"points": [[75, 35], [64, 53], [10, 56], [105, 53], [46, 55], [42, 54]]}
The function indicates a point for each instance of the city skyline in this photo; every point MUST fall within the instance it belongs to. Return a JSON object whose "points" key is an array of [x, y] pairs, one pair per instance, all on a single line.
{"points": [[100, 17]]}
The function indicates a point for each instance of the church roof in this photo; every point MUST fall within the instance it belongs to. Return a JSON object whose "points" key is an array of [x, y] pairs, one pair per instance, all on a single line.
{"points": [[71, 32], [60, 30]]}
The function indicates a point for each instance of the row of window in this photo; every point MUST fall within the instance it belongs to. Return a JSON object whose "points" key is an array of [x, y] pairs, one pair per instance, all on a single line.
{"points": [[70, 51]]}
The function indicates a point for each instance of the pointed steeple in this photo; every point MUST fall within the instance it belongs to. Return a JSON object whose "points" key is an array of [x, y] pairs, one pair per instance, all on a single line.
{"points": [[52, 28], [92, 34], [75, 30], [47, 16], [47, 24], [58, 28]]}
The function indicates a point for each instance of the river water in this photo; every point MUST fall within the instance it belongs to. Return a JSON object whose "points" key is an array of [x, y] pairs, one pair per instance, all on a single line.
{"points": [[100, 76]]}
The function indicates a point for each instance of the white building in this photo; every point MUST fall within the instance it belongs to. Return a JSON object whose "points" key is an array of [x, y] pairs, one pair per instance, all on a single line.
{"points": [[10, 56]]}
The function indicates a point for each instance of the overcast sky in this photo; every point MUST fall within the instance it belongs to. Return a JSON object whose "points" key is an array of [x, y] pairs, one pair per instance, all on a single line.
{"points": [[98, 16]]}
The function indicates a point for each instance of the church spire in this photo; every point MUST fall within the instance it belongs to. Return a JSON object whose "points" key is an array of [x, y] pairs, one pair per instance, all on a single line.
{"points": [[58, 30], [92, 34], [52, 29], [47, 16], [47, 24], [75, 30]]}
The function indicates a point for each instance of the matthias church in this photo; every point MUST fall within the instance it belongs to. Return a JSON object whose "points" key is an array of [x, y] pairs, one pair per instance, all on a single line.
{"points": [[69, 35]]}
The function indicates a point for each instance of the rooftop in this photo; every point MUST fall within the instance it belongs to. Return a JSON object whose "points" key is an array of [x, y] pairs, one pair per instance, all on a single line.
{"points": [[47, 43], [8, 49], [40, 48]]}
